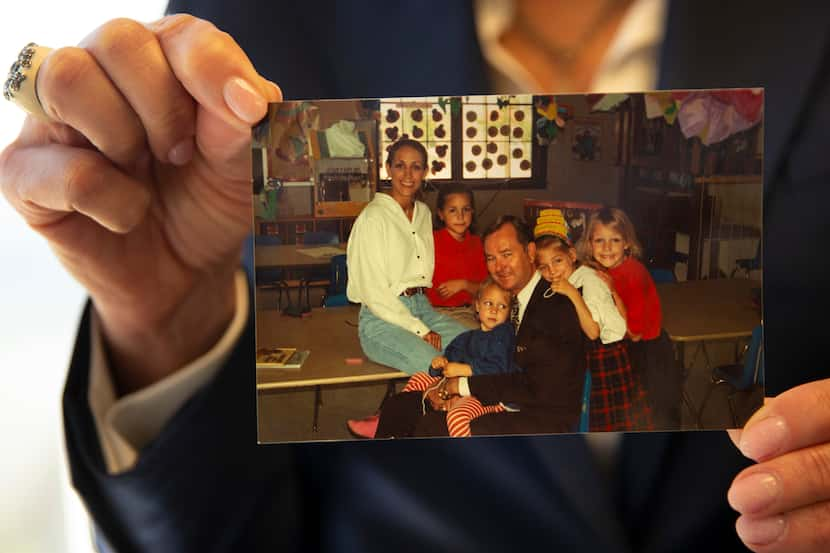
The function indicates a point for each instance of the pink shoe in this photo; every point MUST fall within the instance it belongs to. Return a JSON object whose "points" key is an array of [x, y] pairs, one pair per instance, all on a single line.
{"points": [[364, 428]]}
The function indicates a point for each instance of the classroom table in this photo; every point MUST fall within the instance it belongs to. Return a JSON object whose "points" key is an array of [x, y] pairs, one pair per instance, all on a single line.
{"points": [[300, 266], [291, 256], [331, 336], [712, 309], [699, 311]]}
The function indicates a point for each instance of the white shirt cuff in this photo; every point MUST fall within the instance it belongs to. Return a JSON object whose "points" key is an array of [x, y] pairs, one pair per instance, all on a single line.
{"points": [[419, 329], [125, 425], [463, 386]]}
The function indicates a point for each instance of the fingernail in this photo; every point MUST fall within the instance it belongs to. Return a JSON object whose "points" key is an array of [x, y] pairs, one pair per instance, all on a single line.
{"points": [[760, 531], [754, 493], [764, 438], [277, 89], [181, 153], [244, 100]]}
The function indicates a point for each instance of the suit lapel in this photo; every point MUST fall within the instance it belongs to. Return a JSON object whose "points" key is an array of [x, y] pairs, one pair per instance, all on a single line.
{"points": [[533, 306]]}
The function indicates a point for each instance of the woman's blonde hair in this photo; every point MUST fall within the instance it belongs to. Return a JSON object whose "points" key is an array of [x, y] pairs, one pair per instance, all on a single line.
{"points": [[619, 222]]}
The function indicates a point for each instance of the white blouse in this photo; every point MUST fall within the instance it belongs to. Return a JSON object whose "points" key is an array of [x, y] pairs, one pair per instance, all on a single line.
{"points": [[600, 303], [386, 254]]}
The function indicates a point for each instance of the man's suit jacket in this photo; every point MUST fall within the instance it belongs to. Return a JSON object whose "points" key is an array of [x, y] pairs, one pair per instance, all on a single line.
{"points": [[548, 392], [204, 484]]}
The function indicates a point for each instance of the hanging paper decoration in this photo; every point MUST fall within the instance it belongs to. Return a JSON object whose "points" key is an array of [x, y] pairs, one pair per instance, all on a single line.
{"points": [[288, 131], [605, 102], [661, 104], [711, 116], [551, 121], [454, 103], [714, 116]]}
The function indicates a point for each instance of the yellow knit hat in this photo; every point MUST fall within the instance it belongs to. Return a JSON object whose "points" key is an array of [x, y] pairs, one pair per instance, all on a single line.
{"points": [[551, 221]]}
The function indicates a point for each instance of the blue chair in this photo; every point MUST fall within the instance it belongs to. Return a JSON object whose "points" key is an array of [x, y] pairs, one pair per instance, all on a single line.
{"points": [[267, 240], [585, 412], [317, 278], [659, 275], [336, 294], [320, 238], [749, 264], [740, 377], [270, 278]]}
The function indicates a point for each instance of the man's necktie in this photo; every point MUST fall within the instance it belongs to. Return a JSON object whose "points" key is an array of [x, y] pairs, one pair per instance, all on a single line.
{"points": [[514, 314]]}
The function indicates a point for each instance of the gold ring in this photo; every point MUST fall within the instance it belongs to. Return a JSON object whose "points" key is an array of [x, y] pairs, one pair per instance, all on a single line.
{"points": [[21, 85]]}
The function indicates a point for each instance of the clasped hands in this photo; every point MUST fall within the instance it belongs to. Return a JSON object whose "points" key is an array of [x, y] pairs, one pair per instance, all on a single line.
{"points": [[443, 396], [147, 157], [446, 394]]}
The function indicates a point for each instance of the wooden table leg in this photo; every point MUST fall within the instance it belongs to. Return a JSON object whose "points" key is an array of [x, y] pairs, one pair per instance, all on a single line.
{"points": [[318, 401], [390, 388], [685, 397]]}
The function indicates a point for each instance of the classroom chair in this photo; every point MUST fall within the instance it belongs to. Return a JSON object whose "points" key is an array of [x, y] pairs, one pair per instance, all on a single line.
{"points": [[739, 377]]}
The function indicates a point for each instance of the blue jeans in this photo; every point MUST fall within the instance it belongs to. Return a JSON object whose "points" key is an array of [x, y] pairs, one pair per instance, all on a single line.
{"points": [[396, 347]]}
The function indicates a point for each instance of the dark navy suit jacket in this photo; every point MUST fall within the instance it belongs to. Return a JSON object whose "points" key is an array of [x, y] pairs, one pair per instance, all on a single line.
{"points": [[204, 484]]}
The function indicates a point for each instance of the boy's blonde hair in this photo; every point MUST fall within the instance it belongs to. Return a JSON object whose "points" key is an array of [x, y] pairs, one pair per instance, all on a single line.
{"points": [[619, 222], [486, 283]]}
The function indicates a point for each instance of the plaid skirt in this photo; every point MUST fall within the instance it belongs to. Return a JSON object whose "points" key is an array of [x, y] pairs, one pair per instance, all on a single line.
{"points": [[618, 400]]}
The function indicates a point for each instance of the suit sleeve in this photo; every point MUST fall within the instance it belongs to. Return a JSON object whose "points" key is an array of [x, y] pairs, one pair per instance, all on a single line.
{"points": [[205, 459]]}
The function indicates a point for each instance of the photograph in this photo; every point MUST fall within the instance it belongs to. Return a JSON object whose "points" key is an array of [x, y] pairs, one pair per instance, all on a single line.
{"points": [[455, 268], [489, 275]]}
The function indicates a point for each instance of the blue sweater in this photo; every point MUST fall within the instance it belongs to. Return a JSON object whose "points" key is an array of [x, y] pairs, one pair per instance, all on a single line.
{"points": [[487, 352]]}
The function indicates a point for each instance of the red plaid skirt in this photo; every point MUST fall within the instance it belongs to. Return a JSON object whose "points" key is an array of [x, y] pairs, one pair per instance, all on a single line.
{"points": [[618, 400]]}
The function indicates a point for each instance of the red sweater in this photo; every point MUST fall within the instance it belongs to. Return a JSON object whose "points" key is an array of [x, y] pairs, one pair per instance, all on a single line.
{"points": [[453, 260], [636, 288]]}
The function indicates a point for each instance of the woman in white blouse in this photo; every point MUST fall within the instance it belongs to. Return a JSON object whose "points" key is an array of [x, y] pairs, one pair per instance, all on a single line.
{"points": [[390, 259]]}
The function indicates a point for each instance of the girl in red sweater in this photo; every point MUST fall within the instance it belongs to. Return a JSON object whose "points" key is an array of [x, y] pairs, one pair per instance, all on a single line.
{"points": [[610, 244], [459, 255]]}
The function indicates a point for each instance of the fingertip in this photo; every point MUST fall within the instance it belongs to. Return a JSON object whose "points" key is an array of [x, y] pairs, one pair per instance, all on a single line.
{"points": [[181, 153], [735, 436], [765, 438], [760, 533], [275, 91]]}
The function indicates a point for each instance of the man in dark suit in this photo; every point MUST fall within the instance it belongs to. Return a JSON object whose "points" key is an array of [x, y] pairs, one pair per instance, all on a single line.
{"points": [[545, 396], [144, 194]]}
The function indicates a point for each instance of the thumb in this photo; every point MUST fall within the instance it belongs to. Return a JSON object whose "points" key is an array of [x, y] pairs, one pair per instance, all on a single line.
{"points": [[224, 145]]}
